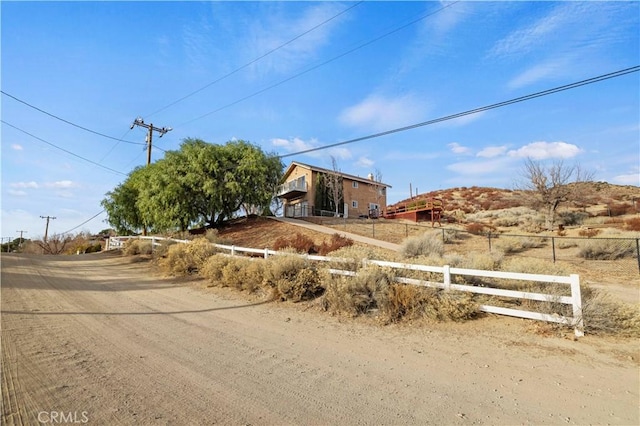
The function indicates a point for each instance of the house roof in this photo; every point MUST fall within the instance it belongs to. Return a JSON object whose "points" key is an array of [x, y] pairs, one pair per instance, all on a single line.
{"points": [[323, 170]]}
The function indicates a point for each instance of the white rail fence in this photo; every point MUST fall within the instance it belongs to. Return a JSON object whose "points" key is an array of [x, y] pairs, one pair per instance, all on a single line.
{"points": [[573, 281]]}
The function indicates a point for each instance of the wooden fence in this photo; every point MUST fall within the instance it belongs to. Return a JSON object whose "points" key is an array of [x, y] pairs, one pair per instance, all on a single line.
{"points": [[573, 281]]}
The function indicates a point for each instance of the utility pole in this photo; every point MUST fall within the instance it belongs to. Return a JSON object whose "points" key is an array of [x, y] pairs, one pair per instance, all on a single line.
{"points": [[140, 122], [46, 230], [20, 242]]}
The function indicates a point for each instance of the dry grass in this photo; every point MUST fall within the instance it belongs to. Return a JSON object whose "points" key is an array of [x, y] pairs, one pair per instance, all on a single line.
{"points": [[134, 246], [186, 259], [428, 244]]}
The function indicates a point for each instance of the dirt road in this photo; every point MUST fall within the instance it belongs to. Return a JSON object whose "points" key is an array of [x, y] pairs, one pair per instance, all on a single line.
{"points": [[101, 339]]}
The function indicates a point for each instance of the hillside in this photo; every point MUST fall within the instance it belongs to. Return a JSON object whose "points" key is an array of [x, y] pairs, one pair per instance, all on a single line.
{"points": [[597, 196]]}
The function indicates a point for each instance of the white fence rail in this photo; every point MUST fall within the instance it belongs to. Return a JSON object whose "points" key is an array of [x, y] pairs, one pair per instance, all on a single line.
{"points": [[573, 281]]}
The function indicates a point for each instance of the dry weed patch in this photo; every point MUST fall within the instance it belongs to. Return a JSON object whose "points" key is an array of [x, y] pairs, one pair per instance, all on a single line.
{"points": [[186, 259], [134, 246], [427, 244]]}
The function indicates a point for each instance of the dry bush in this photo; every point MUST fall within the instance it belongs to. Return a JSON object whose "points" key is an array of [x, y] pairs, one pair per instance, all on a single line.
{"points": [[511, 245], [428, 244], [359, 294], [336, 242], [300, 243], [243, 273], [620, 209], [475, 228], [292, 278], [632, 224], [603, 315], [133, 247], [162, 248], [607, 249], [562, 243], [406, 302], [213, 236], [572, 218], [588, 232], [358, 252], [213, 267], [186, 258]]}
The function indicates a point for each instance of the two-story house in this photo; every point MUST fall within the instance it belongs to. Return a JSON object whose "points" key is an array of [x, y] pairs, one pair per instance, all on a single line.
{"points": [[314, 191]]}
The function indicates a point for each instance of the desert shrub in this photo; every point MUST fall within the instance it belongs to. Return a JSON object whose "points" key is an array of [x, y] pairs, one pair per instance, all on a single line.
{"points": [[517, 244], [632, 224], [336, 242], [359, 252], [603, 315], [430, 243], [243, 273], [529, 265], [563, 243], [533, 225], [300, 243], [186, 258], [162, 248], [475, 228], [572, 218], [452, 235], [486, 261], [620, 209], [213, 236], [607, 249], [588, 232], [292, 278], [359, 294], [213, 267], [136, 246]]}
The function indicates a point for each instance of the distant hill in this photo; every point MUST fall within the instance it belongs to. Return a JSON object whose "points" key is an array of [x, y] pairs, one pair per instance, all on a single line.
{"points": [[473, 199]]}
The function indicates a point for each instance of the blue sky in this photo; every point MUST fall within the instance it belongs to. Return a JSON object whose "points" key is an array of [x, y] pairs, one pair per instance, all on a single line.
{"points": [[286, 83]]}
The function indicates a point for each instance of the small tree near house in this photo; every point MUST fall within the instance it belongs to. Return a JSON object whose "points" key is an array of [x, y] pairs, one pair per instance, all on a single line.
{"points": [[552, 186], [333, 182]]}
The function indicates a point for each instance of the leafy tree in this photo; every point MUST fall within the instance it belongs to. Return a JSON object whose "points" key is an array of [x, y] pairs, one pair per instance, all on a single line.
{"points": [[553, 185], [200, 183], [121, 204]]}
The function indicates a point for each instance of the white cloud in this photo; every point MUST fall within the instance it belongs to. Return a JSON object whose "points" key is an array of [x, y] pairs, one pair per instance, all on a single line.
{"points": [[492, 151], [456, 148], [16, 147], [480, 167], [31, 184], [61, 184], [546, 150], [273, 30], [539, 72], [298, 145], [364, 162], [17, 193], [630, 179], [379, 113]]}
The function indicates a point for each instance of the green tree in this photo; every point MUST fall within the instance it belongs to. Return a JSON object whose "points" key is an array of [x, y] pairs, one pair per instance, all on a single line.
{"points": [[200, 183]]}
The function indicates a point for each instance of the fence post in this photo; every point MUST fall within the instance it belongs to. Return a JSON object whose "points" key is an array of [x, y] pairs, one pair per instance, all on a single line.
{"points": [[406, 230], [153, 244], [443, 241], [578, 320], [553, 248], [373, 229], [489, 235], [638, 252], [266, 252], [233, 250], [446, 273]]}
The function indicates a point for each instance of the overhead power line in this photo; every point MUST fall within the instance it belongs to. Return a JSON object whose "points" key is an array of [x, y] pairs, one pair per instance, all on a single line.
{"points": [[62, 149], [255, 60], [328, 61], [477, 110], [67, 121], [86, 221]]}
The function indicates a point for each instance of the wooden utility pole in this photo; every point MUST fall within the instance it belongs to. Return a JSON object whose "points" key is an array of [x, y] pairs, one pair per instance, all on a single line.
{"points": [[140, 122], [46, 230], [20, 242]]}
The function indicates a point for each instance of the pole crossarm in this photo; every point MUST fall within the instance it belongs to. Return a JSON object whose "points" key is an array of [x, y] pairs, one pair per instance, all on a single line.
{"points": [[162, 130]]}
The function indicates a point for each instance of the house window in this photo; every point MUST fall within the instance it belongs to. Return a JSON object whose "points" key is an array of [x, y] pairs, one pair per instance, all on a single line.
{"points": [[354, 204], [354, 184]]}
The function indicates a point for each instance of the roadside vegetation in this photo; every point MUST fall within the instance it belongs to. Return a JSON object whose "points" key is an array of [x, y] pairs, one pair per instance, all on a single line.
{"points": [[373, 292]]}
